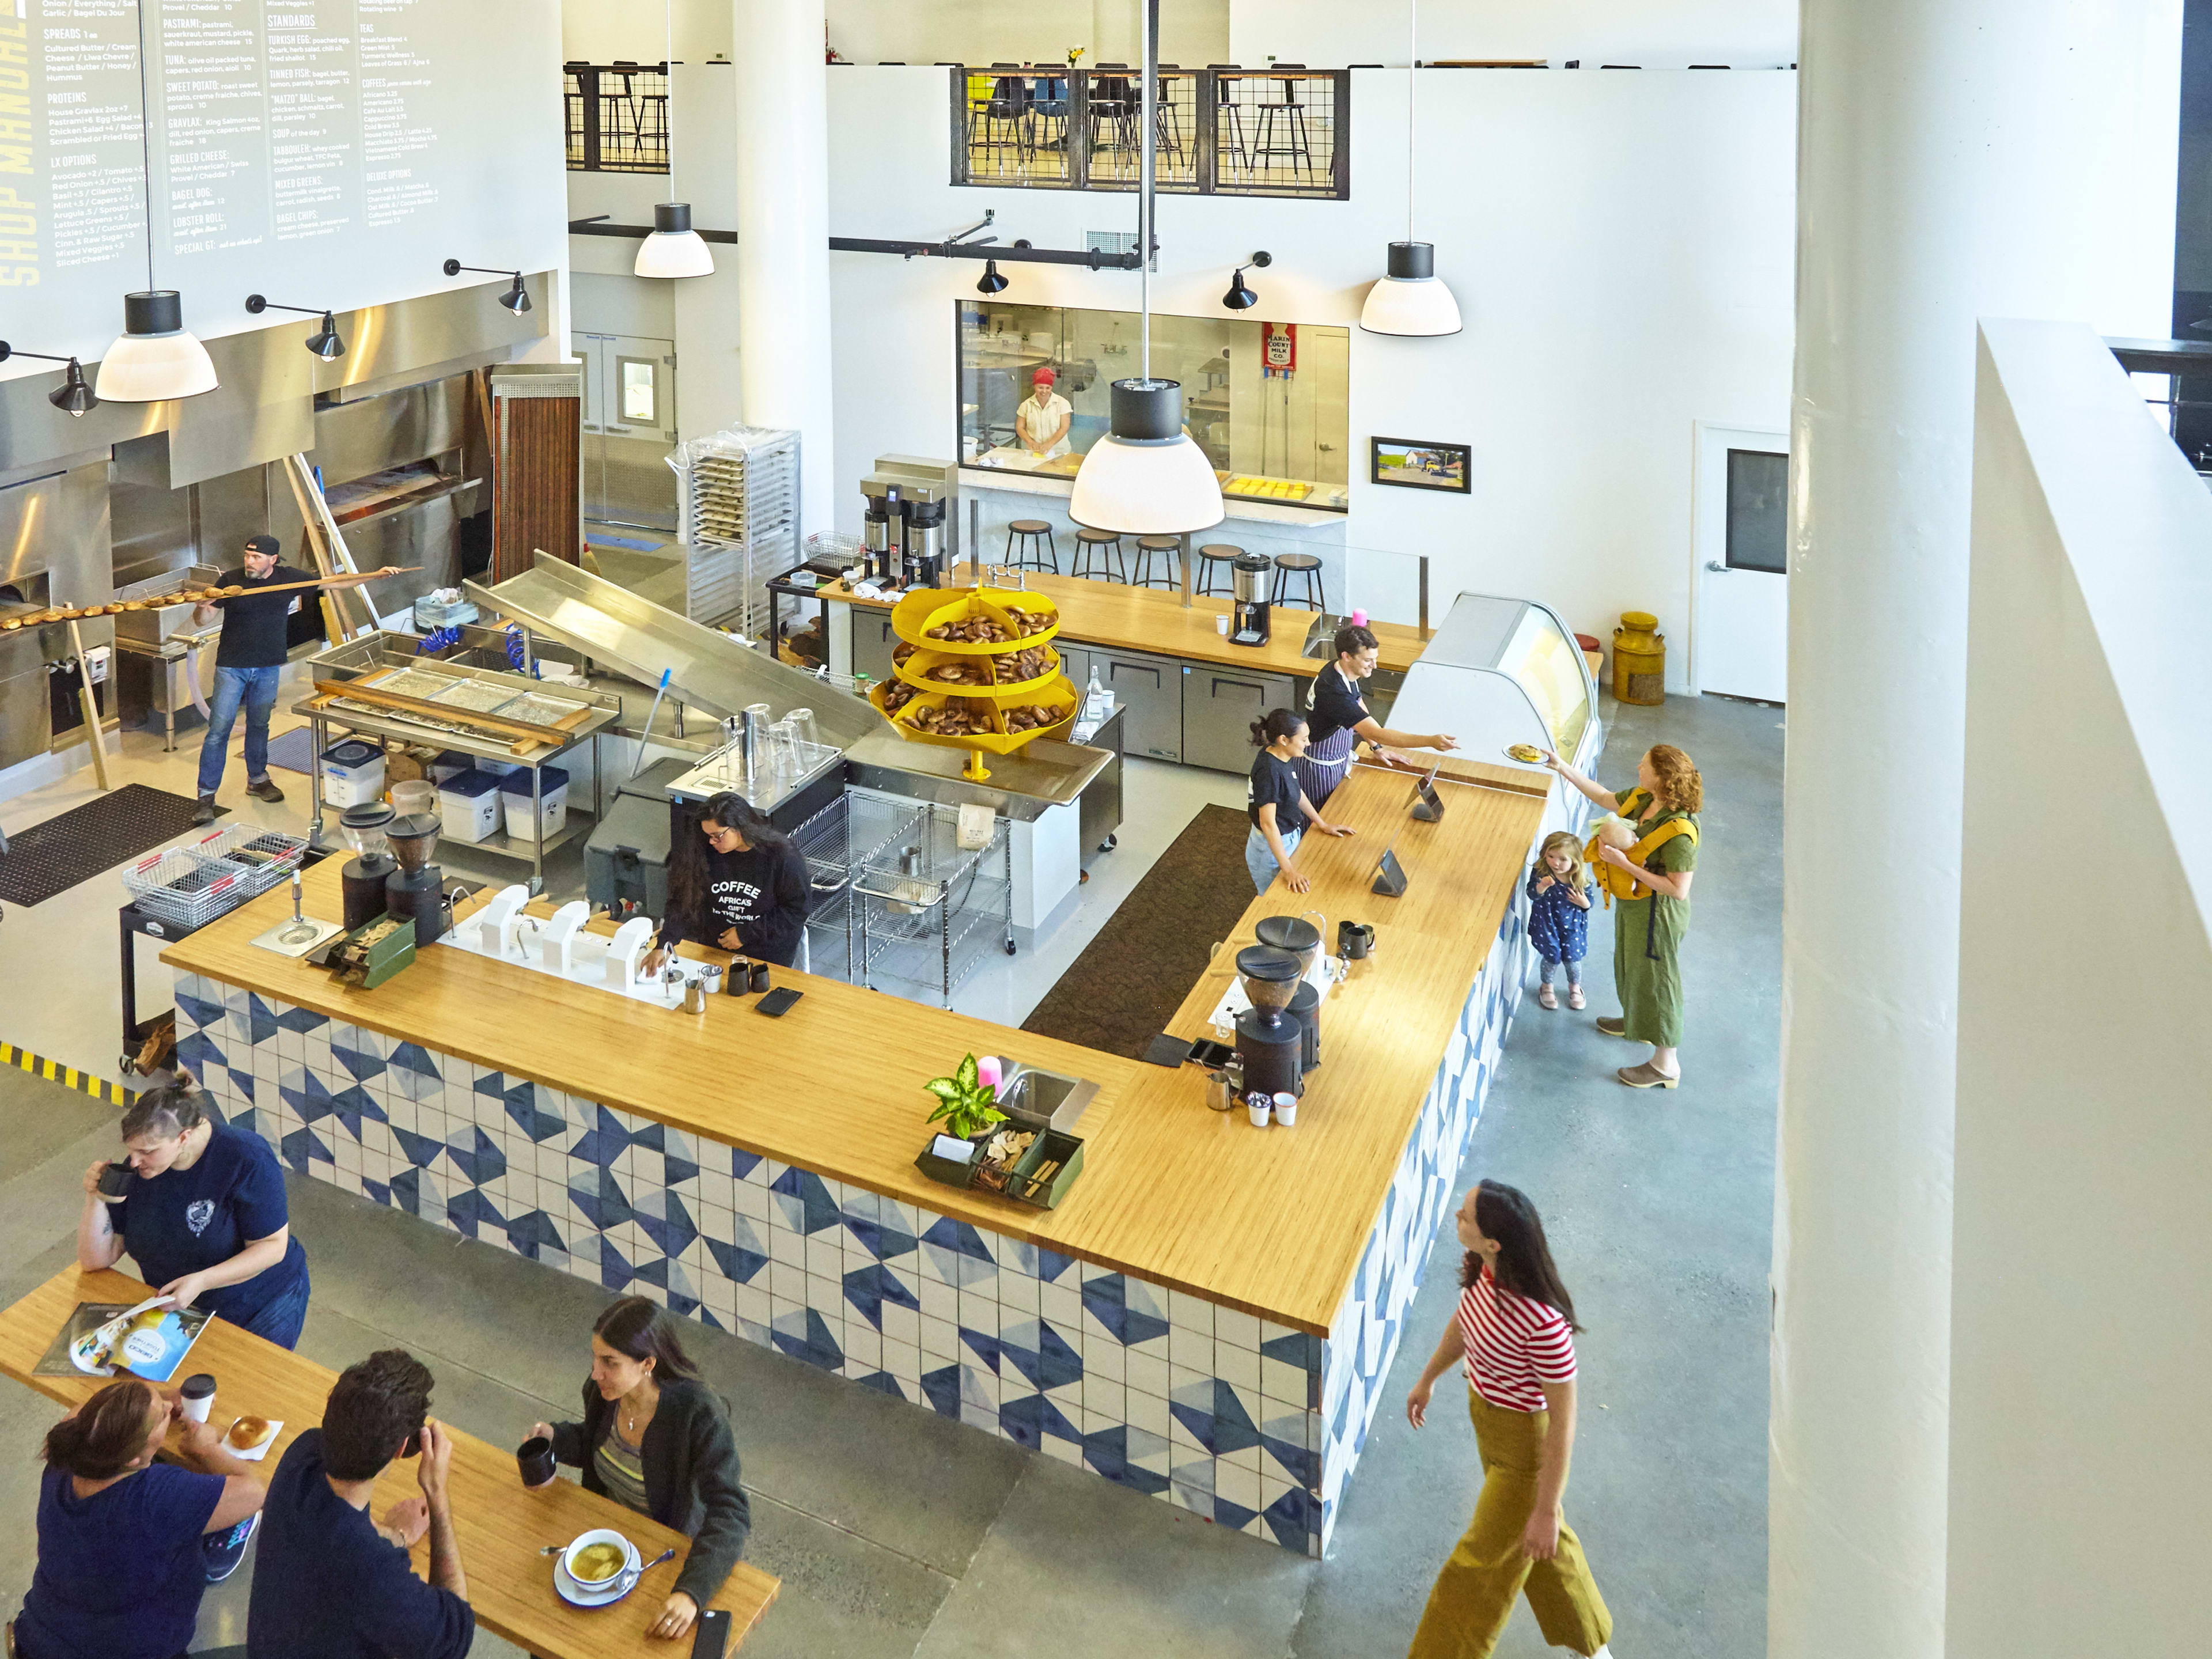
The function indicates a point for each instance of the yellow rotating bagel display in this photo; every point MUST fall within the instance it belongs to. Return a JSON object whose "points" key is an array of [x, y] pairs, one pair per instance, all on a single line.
{"points": [[976, 671]]}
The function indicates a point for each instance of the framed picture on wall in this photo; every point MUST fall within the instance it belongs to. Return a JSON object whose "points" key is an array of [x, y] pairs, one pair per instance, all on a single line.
{"points": [[1416, 465]]}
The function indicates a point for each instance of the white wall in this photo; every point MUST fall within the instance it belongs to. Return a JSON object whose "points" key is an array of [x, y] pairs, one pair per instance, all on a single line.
{"points": [[1330, 33], [2081, 1286], [1621, 246]]}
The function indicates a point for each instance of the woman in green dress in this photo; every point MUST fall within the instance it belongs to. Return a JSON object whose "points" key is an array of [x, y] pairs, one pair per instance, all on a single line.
{"points": [[1648, 932]]}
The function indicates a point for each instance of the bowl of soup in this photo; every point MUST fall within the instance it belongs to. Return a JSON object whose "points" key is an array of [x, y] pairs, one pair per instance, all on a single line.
{"points": [[596, 1559]]}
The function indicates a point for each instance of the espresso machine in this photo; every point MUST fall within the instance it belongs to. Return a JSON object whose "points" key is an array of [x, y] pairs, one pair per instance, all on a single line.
{"points": [[361, 883], [416, 891], [1270, 1042], [1248, 621]]}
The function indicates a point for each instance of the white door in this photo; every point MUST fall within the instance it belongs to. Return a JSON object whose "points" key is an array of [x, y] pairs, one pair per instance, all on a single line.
{"points": [[1740, 635], [630, 426]]}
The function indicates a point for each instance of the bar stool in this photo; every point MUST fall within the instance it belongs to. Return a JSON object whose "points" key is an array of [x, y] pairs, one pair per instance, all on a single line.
{"points": [[1037, 546], [1293, 141], [1213, 553], [1099, 556], [1167, 546], [1307, 568]]}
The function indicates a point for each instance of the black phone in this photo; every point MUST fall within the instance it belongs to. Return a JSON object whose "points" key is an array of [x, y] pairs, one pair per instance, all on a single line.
{"points": [[710, 1637], [777, 1001]]}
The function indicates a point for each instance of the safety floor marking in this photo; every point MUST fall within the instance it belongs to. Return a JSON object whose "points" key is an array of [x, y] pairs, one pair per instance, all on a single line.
{"points": [[68, 1076]]}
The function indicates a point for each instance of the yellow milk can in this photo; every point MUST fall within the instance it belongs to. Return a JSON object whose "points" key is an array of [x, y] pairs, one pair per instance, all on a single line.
{"points": [[1639, 659]]}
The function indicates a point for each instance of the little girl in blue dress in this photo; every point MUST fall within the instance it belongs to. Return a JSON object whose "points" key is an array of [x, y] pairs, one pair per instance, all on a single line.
{"points": [[1558, 915]]}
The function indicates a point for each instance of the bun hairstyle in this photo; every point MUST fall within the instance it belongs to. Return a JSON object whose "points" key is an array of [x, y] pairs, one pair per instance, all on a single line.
{"points": [[1281, 723], [637, 1327], [1680, 787], [1524, 1260], [164, 1114], [103, 1436]]}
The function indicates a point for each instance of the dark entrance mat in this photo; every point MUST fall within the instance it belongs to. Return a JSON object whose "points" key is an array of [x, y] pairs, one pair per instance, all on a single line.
{"points": [[50, 858], [1132, 977]]}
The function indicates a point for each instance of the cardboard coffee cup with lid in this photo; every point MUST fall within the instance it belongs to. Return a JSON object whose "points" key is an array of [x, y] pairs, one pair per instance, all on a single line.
{"points": [[196, 1397]]}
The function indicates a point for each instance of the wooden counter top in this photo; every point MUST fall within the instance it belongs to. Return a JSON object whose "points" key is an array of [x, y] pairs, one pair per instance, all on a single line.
{"points": [[1154, 619], [1272, 1222]]}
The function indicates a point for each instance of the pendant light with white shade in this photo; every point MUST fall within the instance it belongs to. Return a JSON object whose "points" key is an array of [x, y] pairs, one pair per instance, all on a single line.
{"points": [[1411, 300], [155, 359], [1146, 476], [674, 249]]}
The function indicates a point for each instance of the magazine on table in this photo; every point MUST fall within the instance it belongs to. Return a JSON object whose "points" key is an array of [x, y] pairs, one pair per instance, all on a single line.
{"points": [[108, 1338]]}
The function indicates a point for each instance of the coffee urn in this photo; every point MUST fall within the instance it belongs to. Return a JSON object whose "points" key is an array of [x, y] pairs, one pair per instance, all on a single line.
{"points": [[876, 529], [1269, 1042], [924, 536], [1249, 626]]}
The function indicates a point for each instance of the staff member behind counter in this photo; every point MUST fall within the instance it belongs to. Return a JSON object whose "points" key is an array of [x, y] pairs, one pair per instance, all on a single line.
{"points": [[739, 886], [1340, 719], [1045, 418]]}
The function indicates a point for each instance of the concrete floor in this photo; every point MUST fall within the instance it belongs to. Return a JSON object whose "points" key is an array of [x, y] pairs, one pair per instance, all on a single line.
{"points": [[898, 1533]]}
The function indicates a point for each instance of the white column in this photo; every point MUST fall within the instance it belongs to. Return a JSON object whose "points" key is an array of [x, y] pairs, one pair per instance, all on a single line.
{"points": [[1957, 158], [783, 230]]}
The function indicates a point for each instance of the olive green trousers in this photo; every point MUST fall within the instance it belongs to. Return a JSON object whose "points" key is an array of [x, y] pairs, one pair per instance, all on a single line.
{"points": [[1475, 1591]]}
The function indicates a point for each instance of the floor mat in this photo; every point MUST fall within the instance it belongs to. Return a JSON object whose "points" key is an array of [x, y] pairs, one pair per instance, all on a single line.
{"points": [[1133, 975], [53, 857], [294, 750]]}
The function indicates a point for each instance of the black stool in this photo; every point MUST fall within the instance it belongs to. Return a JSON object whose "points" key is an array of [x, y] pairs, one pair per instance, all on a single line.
{"points": [[1307, 569], [1213, 553], [1101, 548], [1145, 576], [1037, 546]]}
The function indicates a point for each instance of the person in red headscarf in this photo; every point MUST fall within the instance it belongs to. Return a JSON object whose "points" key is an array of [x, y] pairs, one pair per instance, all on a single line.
{"points": [[1042, 421]]}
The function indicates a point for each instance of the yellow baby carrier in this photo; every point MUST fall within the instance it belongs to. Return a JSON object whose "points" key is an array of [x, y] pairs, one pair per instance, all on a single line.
{"points": [[1616, 883]]}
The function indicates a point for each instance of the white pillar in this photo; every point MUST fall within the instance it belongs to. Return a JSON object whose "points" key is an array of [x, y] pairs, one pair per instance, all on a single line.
{"points": [[1956, 159], [783, 230]]}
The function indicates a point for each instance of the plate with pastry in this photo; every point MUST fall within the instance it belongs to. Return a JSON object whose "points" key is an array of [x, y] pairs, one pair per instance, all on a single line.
{"points": [[251, 1438], [1527, 753]]}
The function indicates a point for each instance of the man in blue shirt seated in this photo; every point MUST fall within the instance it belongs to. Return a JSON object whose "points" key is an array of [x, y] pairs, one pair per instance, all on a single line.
{"points": [[330, 1584]]}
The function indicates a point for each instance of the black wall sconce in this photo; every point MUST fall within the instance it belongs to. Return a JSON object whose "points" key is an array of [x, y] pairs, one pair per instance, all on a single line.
{"points": [[324, 341], [73, 396], [517, 297], [1239, 297]]}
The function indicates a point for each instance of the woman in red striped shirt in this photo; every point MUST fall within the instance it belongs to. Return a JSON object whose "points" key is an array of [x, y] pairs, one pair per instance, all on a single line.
{"points": [[1513, 1328]]}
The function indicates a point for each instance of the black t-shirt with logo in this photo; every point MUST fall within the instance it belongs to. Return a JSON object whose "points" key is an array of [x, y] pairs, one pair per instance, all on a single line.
{"points": [[253, 623]]}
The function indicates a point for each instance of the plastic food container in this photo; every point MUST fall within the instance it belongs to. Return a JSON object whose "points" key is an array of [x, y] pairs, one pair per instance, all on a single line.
{"points": [[552, 800], [353, 773], [469, 806]]}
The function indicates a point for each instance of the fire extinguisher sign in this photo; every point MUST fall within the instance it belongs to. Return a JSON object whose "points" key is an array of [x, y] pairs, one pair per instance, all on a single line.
{"points": [[1279, 348]]}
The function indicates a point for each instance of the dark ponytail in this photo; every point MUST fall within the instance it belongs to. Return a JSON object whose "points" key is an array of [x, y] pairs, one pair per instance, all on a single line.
{"points": [[1281, 723], [687, 857], [639, 1328], [104, 1435], [1524, 1260]]}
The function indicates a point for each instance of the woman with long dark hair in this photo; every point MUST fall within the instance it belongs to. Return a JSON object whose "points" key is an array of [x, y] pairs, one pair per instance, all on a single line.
{"points": [[656, 1439], [1514, 1329], [739, 886], [127, 1544]]}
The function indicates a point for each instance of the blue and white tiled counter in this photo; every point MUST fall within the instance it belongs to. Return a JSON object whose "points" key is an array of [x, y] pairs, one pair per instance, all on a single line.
{"points": [[1253, 1425]]}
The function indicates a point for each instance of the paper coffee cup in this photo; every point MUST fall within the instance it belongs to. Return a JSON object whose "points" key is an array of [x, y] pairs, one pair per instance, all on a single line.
{"points": [[1286, 1110], [196, 1397]]}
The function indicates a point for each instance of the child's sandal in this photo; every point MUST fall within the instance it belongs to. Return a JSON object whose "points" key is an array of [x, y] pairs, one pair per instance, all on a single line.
{"points": [[1574, 996], [1546, 998]]}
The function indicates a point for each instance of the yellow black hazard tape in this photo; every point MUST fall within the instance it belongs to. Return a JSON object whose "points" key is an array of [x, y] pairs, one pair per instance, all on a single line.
{"points": [[68, 1076]]}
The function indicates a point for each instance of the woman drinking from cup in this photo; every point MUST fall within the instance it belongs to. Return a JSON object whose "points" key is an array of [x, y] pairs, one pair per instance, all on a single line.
{"points": [[126, 1544], [656, 1439], [739, 884], [203, 1217]]}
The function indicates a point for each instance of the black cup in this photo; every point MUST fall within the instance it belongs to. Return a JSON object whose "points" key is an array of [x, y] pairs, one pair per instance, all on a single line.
{"points": [[534, 1457], [740, 978], [115, 1179], [760, 976]]}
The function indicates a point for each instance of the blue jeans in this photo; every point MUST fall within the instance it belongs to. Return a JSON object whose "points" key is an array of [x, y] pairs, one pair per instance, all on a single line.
{"points": [[257, 688], [1260, 858], [281, 1320]]}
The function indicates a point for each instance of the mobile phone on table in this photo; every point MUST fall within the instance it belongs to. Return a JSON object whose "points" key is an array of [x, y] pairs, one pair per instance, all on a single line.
{"points": [[777, 1001], [711, 1635]]}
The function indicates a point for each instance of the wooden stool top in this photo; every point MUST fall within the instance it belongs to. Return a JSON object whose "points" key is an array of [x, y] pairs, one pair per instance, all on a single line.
{"points": [[1297, 562], [1160, 543], [1220, 550], [1087, 534], [1028, 527]]}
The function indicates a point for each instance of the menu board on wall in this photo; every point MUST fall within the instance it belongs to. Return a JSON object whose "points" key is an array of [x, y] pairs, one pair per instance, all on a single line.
{"points": [[321, 152]]}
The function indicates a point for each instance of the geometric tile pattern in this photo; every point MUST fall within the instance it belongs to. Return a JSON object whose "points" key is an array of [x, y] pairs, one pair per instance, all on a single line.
{"points": [[1253, 1425]]}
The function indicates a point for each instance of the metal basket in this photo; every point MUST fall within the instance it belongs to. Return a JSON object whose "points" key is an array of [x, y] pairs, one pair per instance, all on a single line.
{"points": [[284, 853], [180, 885]]}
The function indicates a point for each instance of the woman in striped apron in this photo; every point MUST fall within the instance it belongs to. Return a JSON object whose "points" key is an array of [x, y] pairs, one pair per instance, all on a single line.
{"points": [[1339, 719]]}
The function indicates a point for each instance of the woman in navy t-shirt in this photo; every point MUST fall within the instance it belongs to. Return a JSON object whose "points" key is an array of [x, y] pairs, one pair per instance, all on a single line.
{"points": [[126, 1544], [204, 1218], [1278, 808]]}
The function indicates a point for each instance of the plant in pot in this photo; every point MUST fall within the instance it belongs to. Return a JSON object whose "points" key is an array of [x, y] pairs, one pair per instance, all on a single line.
{"points": [[967, 1107]]}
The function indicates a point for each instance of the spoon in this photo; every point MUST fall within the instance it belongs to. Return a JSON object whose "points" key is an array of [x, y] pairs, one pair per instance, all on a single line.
{"points": [[629, 1580]]}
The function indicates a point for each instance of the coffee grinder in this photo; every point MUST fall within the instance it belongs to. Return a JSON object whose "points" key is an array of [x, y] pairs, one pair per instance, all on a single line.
{"points": [[1269, 1042], [1303, 940], [416, 890], [1249, 623], [366, 829]]}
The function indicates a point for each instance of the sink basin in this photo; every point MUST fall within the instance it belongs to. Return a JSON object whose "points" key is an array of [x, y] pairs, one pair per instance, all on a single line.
{"points": [[1320, 638], [1039, 1098]]}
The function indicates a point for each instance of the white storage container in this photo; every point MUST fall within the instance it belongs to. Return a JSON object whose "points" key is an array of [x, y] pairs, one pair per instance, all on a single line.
{"points": [[552, 800], [353, 773], [469, 806], [451, 763]]}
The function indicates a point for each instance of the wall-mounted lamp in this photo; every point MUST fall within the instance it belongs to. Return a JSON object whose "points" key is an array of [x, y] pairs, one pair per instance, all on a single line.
{"points": [[155, 358], [1239, 297], [324, 341], [516, 299], [991, 281], [73, 396]]}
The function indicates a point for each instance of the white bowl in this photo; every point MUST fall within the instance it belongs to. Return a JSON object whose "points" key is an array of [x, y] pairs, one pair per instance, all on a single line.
{"points": [[584, 1541]]}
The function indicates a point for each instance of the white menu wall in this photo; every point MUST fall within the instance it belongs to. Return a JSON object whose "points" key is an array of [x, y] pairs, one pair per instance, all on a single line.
{"points": [[320, 152]]}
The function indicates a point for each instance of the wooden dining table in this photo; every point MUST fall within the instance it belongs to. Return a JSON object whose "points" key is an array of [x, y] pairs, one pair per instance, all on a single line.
{"points": [[502, 1526]]}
